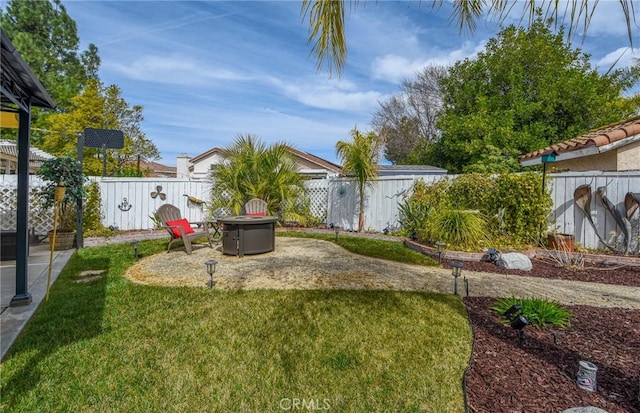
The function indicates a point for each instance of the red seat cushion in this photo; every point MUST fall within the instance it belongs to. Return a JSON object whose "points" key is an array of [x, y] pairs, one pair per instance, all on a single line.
{"points": [[180, 223], [256, 214]]}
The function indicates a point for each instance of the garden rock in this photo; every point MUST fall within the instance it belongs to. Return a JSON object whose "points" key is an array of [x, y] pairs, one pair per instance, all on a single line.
{"points": [[586, 409], [514, 261]]}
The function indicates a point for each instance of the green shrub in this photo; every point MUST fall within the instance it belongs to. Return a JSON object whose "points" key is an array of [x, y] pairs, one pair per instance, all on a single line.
{"points": [[514, 207], [455, 227], [539, 312], [523, 205]]}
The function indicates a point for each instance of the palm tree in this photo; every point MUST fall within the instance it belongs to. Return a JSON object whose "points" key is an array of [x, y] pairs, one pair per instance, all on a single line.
{"points": [[254, 170], [326, 20], [360, 159]]}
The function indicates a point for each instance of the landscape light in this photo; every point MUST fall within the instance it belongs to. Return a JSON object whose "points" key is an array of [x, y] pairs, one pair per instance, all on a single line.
{"points": [[517, 321], [211, 268], [135, 248], [456, 271], [440, 248]]}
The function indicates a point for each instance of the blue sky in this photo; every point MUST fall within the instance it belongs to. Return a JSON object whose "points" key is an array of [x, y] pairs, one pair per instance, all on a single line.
{"points": [[207, 71]]}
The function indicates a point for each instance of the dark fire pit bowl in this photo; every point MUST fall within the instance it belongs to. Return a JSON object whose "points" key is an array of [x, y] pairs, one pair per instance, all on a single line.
{"points": [[248, 235]]}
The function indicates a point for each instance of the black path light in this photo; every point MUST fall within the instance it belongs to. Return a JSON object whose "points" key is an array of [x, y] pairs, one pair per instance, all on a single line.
{"points": [[135, 248], [337, 230], [440, 248], [456, 271], [211, 268], [517, 321]]}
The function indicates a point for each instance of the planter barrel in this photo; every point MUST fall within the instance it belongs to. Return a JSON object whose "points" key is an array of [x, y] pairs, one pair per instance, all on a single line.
{"points": [[561, 242], [64, 239]]}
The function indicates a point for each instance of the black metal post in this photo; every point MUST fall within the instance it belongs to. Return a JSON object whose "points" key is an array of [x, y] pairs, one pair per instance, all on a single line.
{"points": [[79, 235], [22, 296]]}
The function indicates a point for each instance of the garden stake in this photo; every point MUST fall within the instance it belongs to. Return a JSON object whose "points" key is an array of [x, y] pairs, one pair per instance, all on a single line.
{"points": [[57, 199]]}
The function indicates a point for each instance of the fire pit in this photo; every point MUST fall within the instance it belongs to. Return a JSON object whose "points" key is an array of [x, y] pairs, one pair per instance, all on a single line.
{"points": [[248, 235]]}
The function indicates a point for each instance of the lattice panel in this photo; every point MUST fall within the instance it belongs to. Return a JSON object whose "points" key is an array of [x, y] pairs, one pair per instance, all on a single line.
{"points": [[318, 193], [40, 221]]}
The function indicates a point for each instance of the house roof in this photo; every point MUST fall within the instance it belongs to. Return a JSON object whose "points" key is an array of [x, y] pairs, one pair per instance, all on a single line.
{"points": [[323, 163], [154, 168], [596, 141], [317, 160], [206, 154], [409, 169], [10, 150]]}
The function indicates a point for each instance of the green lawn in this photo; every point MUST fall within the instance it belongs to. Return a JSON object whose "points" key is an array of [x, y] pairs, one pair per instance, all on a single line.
{"points": [[111, 345]]}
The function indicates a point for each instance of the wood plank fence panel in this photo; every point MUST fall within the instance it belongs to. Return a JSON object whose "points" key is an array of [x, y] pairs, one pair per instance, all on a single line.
{"points": [[338, 199]]}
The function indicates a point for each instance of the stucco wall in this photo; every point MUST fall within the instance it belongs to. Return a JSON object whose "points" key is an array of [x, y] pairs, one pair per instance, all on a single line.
{"points": [[629, 157], [602, 162]]}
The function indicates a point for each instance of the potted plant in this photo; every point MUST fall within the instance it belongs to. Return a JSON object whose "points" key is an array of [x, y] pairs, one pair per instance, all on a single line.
{"points": [[62, 172], [561, 242]]}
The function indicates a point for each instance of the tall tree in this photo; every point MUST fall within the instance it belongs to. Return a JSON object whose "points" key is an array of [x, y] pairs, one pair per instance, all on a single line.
{"points": [[100, 107], [526, 90], [327, 20], [47, 38], [253, 169], [407, 121], [360, 159]]}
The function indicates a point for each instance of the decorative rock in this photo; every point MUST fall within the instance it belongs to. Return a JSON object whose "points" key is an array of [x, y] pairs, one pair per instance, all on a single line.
{"points": [[514, 261], [586, 409]]}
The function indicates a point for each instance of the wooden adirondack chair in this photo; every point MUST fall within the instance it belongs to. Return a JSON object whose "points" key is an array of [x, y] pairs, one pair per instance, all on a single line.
{"points": [[255, 207], [180, 228]]}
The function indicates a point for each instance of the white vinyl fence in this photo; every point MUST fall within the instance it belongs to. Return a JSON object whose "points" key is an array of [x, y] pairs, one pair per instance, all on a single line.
{"points": [[129, 203]]}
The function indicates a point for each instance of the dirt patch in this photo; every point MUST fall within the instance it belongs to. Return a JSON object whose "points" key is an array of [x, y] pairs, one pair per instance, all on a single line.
{"points": [[301, 263]]}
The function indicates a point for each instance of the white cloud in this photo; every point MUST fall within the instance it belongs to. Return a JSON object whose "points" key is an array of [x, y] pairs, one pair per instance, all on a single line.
{"points": [[178, 70], [394, 69], [621, 57], [330, 94]]}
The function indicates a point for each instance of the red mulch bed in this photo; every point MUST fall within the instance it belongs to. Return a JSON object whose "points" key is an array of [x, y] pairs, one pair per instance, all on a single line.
{"points": [[540, 375], [602, 273]]}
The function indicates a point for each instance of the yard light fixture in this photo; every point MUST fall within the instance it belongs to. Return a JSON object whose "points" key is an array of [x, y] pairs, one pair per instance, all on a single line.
{"points": [[456, 271], [135, 248], [517, 321], [211, 268], [337, 230], [440, 248]]}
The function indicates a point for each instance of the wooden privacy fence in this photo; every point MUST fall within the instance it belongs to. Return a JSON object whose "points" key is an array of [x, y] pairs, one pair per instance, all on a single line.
{"points": [[567, 218], [130, 203]]}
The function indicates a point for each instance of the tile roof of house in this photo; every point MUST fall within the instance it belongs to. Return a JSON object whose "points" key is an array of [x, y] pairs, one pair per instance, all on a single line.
{"points": [[596, 138], [305, 155], [317, 160], [157, 169]]}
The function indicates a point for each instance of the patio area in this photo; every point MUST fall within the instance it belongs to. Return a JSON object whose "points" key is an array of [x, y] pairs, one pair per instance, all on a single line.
{"points": [[13, 319]]}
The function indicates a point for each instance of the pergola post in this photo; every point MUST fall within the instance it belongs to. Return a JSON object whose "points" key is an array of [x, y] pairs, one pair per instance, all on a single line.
{"points": [[23, 297]]}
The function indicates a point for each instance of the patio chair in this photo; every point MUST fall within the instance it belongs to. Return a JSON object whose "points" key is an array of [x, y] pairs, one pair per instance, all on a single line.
{"points": [[180, 228], [255, 207]]}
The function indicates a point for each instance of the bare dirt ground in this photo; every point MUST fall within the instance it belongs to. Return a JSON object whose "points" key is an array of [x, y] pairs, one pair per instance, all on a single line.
{"points": [[538, 376], [300, 263]]}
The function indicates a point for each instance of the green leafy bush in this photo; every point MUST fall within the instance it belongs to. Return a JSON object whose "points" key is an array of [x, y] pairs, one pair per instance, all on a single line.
{"points": [[539, 312], [514, 207]]}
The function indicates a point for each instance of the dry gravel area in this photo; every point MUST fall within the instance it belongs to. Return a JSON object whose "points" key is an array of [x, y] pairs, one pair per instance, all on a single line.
{"points": [[299, 263]]}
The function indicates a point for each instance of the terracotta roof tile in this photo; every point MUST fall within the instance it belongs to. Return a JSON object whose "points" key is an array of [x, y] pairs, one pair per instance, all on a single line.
{"points": [[596, 138]]}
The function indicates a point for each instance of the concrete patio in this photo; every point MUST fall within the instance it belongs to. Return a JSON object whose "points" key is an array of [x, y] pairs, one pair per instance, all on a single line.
{"points": [[13, 319]]}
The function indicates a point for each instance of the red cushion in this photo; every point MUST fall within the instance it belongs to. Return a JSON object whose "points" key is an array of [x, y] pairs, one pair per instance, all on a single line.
{"points": [[256, 214], [180, 223]]}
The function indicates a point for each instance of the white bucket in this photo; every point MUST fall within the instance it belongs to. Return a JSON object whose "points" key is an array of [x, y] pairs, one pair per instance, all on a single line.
{"points": [[587, 376]]}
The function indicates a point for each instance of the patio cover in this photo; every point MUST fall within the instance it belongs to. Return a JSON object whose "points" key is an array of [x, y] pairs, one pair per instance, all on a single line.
{"points": [[21, 90]]}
